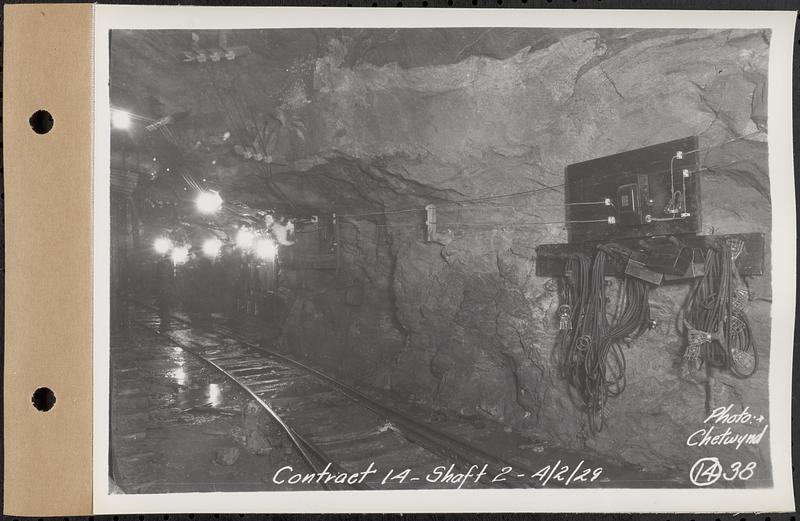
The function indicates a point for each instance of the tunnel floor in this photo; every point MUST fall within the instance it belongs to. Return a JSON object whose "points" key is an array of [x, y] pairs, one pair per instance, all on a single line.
{"points": [[180, 424]]}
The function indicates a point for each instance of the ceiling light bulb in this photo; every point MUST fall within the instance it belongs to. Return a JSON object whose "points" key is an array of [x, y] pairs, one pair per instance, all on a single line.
{"points": [[266, 249], [180, 255], [208, 202], [162, 245], [120, 119], [244, 239], [211, 247]]}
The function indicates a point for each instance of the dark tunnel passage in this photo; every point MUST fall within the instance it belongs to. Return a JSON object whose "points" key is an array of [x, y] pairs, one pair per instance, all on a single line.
{"points": [[273, 261]]}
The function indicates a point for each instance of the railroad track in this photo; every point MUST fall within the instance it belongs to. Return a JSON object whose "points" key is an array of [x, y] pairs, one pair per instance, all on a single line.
{"points": [[331, 423]]}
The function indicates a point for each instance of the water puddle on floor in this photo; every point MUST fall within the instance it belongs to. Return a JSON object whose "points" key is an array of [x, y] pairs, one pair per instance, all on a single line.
{"points": [[178, 425]]}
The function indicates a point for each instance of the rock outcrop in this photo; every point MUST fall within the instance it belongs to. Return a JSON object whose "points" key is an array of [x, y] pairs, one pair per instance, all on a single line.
{"points": [[371, 124], [467, 325]]}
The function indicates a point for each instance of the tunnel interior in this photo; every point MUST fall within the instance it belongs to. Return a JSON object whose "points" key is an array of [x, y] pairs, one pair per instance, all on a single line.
{"points": [[275, 182]]}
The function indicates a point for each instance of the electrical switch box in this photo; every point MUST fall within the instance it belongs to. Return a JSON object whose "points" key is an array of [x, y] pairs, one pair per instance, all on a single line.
{"points": [[646, 192], [628, 205]]}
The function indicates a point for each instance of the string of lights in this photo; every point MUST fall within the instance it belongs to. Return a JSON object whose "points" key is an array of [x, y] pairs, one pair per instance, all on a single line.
{"points": [[209, 201]]}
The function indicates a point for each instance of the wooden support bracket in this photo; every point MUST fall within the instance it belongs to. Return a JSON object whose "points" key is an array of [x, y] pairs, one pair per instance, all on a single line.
{"points": [[551, 258]]}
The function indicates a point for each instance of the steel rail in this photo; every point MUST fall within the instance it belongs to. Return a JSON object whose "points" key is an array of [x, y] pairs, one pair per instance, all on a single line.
{"points": [[314, 457], [444, 444], [419, 432]]}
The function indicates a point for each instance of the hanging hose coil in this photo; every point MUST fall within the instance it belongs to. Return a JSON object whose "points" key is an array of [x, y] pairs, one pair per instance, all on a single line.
{"points": [[591, 342], [716, 307]]}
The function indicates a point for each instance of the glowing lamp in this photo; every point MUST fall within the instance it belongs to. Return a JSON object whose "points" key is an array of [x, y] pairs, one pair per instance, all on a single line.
{"points": [[266, 249], [211, 247], [208, 202], [245, 238], [120, 119], [180, 254], [162, 245]]}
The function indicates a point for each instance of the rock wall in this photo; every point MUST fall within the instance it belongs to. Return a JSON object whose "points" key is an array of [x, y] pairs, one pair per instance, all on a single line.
{"points": [[467, 326]]}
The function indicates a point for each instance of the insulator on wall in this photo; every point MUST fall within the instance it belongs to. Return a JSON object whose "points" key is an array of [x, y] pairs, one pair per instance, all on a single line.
{"points": [[759, 105], [430, 222], [215, 55]]}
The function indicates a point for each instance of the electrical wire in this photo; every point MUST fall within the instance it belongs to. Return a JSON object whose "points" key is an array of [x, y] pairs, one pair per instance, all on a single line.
{"points": [[679, 194], [387, 212], [669, 207], [604, 202], [458, 203], [528, 223], [239, 111], [591, 345], [486, 224], [711, 147], [677, 202], [683, 192], [717, 327], [712, 168], [665, 219], [503, 196]]}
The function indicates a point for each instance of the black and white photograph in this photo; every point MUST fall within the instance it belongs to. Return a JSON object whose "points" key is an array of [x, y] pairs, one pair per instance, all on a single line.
{"points": [[441, 258]]}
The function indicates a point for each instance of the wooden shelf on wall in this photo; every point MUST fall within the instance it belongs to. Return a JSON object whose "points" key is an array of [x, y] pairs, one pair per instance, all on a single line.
{"points": [[551, 258]]}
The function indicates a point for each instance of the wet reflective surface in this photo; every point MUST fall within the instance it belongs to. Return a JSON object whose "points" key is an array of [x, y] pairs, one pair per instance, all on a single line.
{"points": [[178, 425]]}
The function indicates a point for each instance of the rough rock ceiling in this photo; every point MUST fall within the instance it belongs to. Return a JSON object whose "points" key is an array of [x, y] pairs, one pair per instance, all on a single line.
{"points": [[373, 117], [257, 104]]}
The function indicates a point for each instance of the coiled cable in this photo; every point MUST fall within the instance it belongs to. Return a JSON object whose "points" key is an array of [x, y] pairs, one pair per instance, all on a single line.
{"points": [[594, 362], [718, 330]]}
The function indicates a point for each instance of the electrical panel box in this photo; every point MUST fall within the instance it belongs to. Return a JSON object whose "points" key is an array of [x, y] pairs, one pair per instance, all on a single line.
{"points": [[646, 192]]}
